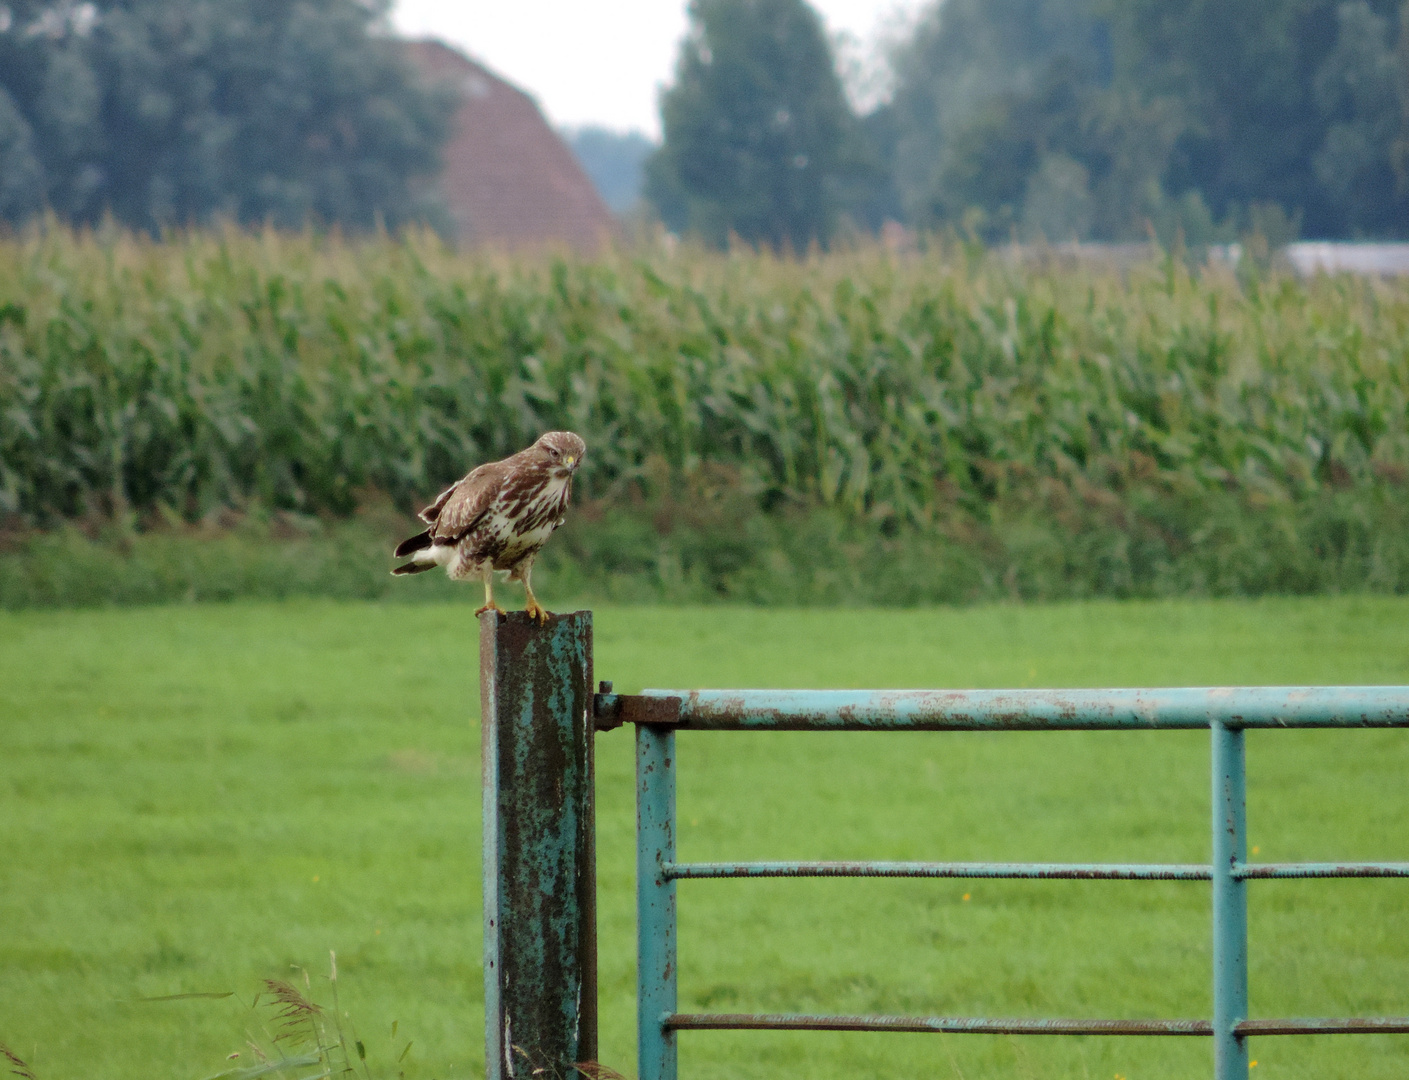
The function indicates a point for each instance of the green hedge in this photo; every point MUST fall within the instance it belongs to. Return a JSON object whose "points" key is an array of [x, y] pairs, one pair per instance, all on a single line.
{"points": [[859, 425]]}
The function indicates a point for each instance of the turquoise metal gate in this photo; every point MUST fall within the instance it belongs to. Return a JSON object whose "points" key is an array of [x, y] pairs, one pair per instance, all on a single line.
{"points": [[1225, 712]]}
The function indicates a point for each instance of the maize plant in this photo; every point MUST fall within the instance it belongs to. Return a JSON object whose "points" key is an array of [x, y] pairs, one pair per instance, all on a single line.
{"points": [[944, 390]]}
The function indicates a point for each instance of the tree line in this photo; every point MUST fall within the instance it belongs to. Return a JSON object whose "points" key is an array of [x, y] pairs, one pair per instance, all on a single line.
{"points": [[1047, 119], [1035, 119], [176, 112]]}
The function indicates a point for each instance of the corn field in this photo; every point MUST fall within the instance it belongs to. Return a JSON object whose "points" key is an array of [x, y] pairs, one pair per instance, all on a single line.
{"points": [[1034, 429]]}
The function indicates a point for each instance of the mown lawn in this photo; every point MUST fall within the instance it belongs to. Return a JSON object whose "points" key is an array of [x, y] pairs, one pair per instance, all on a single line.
{"points": [[195, 798]]}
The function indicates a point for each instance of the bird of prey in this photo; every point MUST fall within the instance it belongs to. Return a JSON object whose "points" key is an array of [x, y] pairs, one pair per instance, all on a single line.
{"points": [[498, 517]]}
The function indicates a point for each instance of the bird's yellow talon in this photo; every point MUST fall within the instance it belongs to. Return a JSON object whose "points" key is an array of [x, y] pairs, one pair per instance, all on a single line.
{"points": [[490, 607], [537, 612]]}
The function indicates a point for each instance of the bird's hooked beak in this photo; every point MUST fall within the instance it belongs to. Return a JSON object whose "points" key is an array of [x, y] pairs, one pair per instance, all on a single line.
{"points": [[566, 465]]}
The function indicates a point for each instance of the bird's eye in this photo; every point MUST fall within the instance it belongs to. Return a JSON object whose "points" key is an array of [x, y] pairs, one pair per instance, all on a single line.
{"points": [[554, 451]]}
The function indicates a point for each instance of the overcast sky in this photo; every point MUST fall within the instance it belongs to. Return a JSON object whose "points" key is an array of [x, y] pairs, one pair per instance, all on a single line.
{"points": [[603, 63]]}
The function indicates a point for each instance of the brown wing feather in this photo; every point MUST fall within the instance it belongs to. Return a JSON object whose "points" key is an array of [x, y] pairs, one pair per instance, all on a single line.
{"points": [[430, 513], [459, 509]]}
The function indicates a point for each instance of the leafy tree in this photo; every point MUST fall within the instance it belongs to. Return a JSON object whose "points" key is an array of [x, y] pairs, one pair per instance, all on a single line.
{"points": [[1241, 71], [1399, 151], [1013, 123], [1357, 90], [969, 64], [21, 178], [759, 140], [1101, 117], [873, 195], [1287, 102], [178, 111]]}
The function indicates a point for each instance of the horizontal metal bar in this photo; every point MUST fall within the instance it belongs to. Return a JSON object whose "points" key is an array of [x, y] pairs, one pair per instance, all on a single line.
{"points": [[1268, 871], [1047, 871], [1382, 1025], [1037, 710], [950, 1024], [1081, 871], [1364, 1025]]}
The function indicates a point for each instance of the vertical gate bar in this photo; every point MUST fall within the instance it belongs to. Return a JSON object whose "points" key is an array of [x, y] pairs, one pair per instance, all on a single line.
{"points": [[655, 902], [1230, 902], [539, 891]]}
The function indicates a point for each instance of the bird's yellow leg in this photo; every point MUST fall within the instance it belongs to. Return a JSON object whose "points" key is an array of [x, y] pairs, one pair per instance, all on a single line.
{"points": [[489, 604], [532, 606]]}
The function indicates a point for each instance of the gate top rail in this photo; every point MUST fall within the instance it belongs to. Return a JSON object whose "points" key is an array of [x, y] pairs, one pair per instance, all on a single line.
{"points": [[1173, 708]]}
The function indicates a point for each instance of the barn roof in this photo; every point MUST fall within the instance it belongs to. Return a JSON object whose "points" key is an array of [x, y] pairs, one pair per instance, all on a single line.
{"points": [[509, 180]]}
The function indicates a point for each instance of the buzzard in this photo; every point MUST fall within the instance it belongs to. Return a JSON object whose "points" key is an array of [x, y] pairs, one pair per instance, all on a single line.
{"points": [[498, 517]]}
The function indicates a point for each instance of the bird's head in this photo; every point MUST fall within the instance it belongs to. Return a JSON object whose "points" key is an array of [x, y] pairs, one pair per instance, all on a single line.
{"points": [[562, 452]]}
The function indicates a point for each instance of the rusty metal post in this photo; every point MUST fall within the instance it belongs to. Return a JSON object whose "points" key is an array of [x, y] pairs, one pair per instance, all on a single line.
{"points": [[540, 920]]}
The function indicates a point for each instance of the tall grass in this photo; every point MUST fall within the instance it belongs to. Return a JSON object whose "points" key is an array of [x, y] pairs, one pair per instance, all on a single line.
{"points": [[940, 425]]}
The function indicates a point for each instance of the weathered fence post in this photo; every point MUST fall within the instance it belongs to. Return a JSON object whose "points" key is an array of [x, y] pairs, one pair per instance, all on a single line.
{"points": [[540, 921]]}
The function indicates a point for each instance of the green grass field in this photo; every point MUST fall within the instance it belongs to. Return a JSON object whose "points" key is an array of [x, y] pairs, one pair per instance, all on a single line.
{"points": [[195, 798]]}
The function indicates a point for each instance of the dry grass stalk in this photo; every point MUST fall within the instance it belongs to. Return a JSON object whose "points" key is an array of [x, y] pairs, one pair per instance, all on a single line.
{"points": [[297, 1015], [595, 1070], [21, 1069]]}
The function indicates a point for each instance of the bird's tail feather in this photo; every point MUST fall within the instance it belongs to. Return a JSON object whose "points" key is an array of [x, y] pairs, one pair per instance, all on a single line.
{"points": [[416, 543], [413, 568]]}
